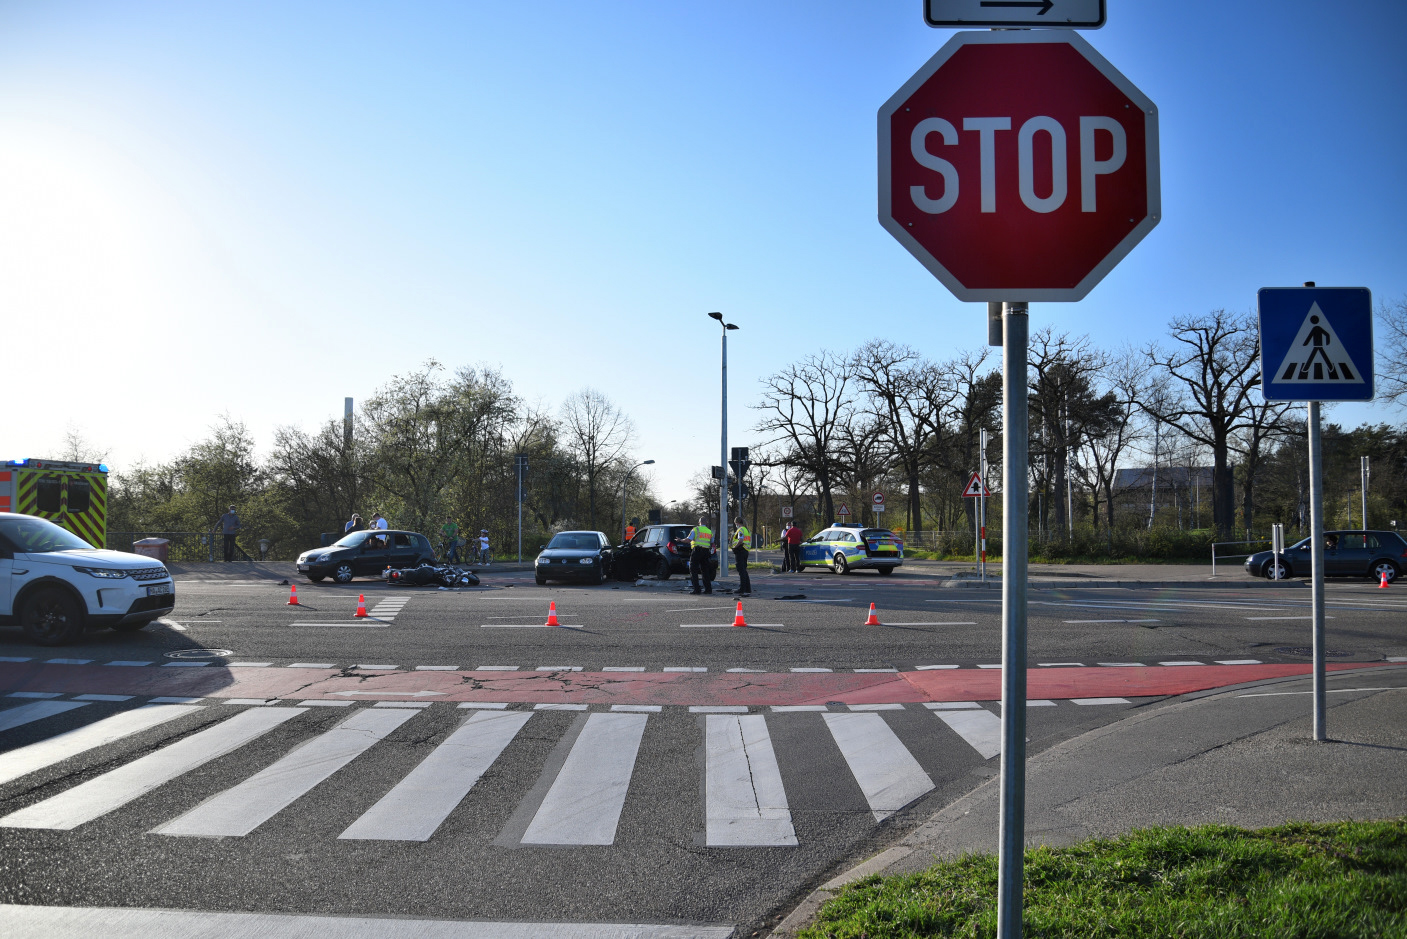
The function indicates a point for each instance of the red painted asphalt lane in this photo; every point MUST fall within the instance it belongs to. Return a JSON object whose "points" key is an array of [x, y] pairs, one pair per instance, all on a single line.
{"points": [[667, 688]]}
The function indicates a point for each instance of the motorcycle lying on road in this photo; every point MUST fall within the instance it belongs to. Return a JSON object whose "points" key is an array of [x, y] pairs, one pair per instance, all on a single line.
{"points": [[432, 575]]}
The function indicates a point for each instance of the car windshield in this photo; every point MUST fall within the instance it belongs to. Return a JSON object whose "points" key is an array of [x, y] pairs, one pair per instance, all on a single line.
{"points": [[576, 541], [36, 535], [352, 540]]}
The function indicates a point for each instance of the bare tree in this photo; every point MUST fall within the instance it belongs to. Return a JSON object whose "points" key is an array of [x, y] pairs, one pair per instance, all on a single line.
{"points": [[1126, 379], [1215, 364], [1265, 422], [1392, 351], [1065, 404], [906, 395], [598, 434], [803, 407], [78, 448]]}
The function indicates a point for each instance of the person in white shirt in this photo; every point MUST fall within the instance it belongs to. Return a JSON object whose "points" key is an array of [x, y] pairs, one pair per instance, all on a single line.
{"points": [[484, 556]]}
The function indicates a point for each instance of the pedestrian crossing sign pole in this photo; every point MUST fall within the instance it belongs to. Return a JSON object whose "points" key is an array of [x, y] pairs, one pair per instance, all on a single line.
{"points": [[1316, 344]]}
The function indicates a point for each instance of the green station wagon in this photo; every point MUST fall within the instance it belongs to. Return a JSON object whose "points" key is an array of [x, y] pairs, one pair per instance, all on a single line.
{"points": [[844, 548]]}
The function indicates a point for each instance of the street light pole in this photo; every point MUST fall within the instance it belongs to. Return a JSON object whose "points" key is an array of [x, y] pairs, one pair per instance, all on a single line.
{"points": [[723, 452], [623, 484]]}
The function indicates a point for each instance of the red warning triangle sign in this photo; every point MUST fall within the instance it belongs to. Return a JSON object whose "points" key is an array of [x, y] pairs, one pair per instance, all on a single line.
{"points": [[975, 487]]}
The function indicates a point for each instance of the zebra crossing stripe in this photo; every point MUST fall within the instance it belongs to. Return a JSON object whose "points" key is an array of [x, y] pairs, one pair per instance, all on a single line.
{"points": [[585, 801], [35, 711], [887, 772], [36, 756], [980, 728], [421, 801], [745, 804], [243, 808], [114, 789]]}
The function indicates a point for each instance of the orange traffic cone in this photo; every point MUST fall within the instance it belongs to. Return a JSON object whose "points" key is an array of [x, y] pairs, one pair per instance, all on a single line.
{"points": [[361, 606], [552, 615], [1382, 584], [293, 597], [738, 616], [873, 619]]}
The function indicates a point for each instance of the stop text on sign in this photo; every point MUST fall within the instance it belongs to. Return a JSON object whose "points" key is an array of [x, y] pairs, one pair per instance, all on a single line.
{"points": [[1018, 166], [1091, 167]]}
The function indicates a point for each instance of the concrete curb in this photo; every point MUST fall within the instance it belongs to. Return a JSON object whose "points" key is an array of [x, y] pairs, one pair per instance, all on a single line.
{"points": [[805, 911]]}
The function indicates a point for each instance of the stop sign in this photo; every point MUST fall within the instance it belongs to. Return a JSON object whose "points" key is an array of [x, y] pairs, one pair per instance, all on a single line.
{"points": [[1018, 166]]}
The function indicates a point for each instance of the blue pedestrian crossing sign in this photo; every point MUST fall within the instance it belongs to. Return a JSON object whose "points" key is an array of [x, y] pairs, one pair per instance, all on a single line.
{"points": [[1316, 343]]}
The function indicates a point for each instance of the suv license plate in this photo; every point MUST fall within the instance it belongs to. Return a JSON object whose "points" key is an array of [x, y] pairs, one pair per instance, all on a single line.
{"points": [[158, 589]]}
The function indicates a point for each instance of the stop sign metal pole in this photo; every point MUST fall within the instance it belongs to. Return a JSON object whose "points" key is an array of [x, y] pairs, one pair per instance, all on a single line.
{"points": [[1015, 505]]}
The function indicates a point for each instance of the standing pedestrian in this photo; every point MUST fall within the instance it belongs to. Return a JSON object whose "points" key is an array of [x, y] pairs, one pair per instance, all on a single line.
{"points": [[794, 537], [378, 521], [700, 541], [742, 543], [354, 523], [229, 527], [786, 552], [485, 555], [449, 531]]}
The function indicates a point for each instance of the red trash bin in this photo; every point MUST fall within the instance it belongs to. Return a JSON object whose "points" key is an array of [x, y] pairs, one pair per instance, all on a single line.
{"points": [[152, 548]]}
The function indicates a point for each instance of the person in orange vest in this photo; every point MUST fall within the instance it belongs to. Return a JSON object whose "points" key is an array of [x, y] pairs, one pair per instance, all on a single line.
{"points": [[700, 543], [629, 533]]}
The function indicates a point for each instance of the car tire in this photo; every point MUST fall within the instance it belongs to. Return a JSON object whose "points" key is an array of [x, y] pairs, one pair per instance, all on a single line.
{"points": [[840, 565], [1381, 568], [1268, 570], [886, 571], [52, 616], [130, 627], [343, 573], [541, 581], [663, 571], [316, 578]]}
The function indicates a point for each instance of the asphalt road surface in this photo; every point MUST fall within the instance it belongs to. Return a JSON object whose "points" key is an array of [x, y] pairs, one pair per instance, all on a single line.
{"points": [[450, 757]]}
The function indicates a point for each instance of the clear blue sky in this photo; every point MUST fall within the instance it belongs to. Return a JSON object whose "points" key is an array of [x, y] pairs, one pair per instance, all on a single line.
{"points": [[262, 207]]}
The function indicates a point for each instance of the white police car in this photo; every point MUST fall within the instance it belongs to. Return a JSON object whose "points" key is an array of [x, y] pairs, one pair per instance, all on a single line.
{"points": [[53, 584]]}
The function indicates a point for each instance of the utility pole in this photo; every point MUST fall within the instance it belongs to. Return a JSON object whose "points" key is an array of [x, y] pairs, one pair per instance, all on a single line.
{"points": [[520, 465], [723, 453], [1363, 475]]}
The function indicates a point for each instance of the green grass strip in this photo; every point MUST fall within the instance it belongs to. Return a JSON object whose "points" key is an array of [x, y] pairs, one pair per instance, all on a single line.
{"points": [[1317, 881]]}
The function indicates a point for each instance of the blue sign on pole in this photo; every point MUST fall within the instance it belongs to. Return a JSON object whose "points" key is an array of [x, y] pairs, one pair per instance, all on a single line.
{"points": [[1316, 343]]}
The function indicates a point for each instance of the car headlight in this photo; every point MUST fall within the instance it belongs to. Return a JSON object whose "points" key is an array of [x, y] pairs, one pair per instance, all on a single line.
{"points": [[544, 560], [106, 572], [323, 557], [587, 561]]}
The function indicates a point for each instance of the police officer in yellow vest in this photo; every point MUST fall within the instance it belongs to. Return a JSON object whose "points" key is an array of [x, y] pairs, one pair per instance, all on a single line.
{"points": [[742, 544], [700, 543]]}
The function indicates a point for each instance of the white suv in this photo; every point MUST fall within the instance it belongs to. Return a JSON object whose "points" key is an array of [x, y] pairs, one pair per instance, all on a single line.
{"points": [[53, 584]]}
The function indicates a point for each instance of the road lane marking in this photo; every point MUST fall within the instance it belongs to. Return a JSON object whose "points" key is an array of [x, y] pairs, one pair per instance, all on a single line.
{"points": [[126, 921], [1100, 700], [796, 708], [685, 668], [528, 626], [239, 810], [485, 705], [930, 668], [809, 670], [36, 756], [1061, 664], [875, 707], [953, 706], [496, 668], [419, 803], [1084, 621], [35, 711], [718, 709], [585, 801], [745, 803], [1284, 617], [1238, 661], [887, 772], [1181, 663], [927, 624], [623, 668], [112, 790], [980, 728], [35, 694]]}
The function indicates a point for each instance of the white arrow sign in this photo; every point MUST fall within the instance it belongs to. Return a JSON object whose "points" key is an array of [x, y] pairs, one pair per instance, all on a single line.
{"points": [[1055, 14]]}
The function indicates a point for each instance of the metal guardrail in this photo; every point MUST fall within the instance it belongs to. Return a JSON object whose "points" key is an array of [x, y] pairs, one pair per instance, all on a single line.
{"points": [[184, 546], [1219, 544]]}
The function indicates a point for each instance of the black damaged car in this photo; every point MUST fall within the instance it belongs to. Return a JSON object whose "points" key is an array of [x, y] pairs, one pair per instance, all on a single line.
{"points": [[575, 555], [366, 554]]}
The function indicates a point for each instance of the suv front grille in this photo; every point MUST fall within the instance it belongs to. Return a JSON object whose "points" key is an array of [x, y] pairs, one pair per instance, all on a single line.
{"points": [[150, 573]]}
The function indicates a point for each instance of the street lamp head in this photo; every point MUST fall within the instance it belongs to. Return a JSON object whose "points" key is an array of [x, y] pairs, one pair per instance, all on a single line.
{"points": [[647, 463], [729, 326], [717, 316]]}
